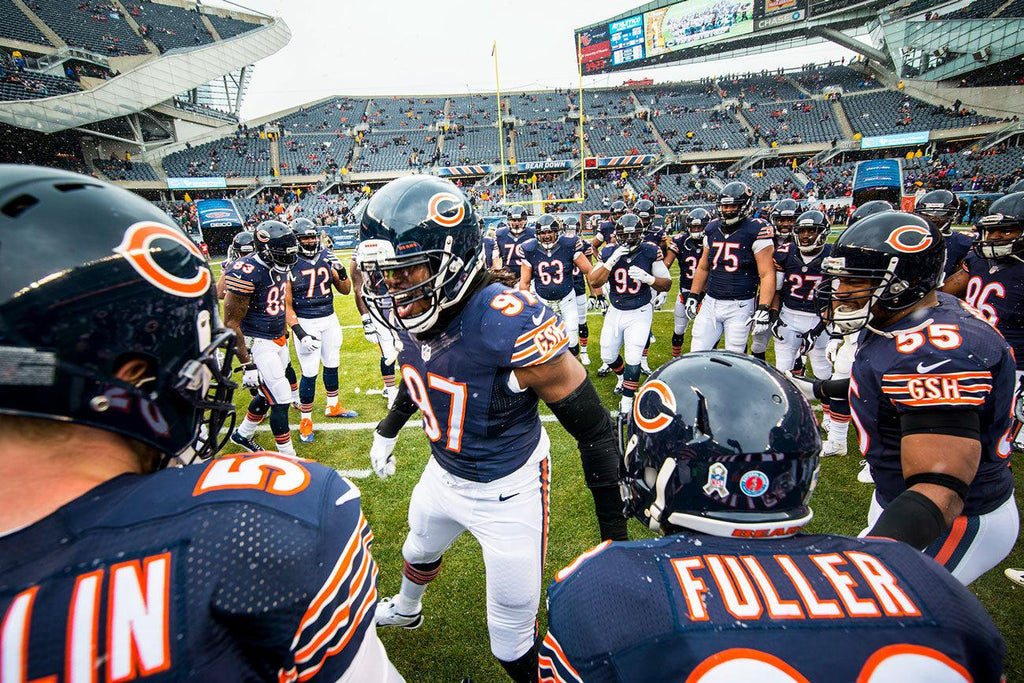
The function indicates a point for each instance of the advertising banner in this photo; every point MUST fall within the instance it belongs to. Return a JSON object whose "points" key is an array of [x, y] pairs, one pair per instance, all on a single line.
{"points": [[895, 140], [196, 183], [218, 213]]}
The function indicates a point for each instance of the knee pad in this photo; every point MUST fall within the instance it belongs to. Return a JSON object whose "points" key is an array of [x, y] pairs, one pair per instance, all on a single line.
{"points": [[259, 405], [584, 331], [279, 418], [386, 369], [416, 555], [331, 379]]}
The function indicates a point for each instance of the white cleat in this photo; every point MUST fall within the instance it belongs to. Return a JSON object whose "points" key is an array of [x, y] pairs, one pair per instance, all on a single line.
{"points": [[625, 405], [604, 370], [388, 615], [1015, 575], [644, 367], [390, 394], [826, 421], [833, 448], [864, 476], [618, 386], [584, 359]]}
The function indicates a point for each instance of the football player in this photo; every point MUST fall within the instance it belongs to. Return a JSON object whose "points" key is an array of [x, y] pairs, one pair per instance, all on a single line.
{"points": [[475, 359], [242, 244], [796, 327], [376, 332], [507, 240], [686, 247], [720, 597], [605, 235], [654, 233], [547, 263], [490, 246], [931, 392], [125, 553], [314, 277], [634, 268], [571, 228], [941, 208], [783, 218], [992, 280], [254, 307], [735, 272]]}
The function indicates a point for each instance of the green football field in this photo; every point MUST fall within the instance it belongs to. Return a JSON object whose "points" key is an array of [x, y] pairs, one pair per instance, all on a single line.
{"points": [[452, 643]]}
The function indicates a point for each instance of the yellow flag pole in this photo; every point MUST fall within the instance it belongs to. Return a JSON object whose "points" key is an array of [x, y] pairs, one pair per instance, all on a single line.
{"points": [[583, 160], [501, 128]]}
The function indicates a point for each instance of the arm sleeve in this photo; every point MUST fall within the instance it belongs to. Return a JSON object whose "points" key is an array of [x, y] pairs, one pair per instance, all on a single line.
{"points": [[659, 269], [401, 410]]}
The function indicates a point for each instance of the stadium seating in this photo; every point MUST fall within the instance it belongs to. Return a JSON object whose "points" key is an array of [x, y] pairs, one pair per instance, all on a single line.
{"points": [[232, 157], [398, 150], [620, 137], [979, 9], [816, 80], [605, 103], [391, 113], [696, 131], [541, 141], [686, 189], [29, 85], [766, 181], [16, 25], [764, 88], [93, 25], [794, 122], [473, 110], [228, 27], [1015, 9], [169, 27], [116, 169], [832, 179], [879, 113], [678, 99], [463, 146], [334, 114], [304, 154], [539, 106]]}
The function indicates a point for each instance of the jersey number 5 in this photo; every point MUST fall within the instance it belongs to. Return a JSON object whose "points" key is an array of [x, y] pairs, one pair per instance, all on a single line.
{"points": [[942, 336], [456, 410]]}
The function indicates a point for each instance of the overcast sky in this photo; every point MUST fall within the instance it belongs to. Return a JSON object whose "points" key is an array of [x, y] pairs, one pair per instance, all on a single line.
{"points": [[374, 47]]}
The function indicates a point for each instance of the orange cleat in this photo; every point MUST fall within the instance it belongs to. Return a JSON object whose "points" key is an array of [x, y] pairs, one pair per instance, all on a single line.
{"points": [[306, 430], [338, 411]]}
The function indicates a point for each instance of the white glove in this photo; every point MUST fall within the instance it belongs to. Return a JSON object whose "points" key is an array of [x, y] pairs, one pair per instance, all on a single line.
{"points": [[843, 365], [381, 458], [310, 343], [804, 384], [659, 300], [832, 348], [619, 253], [762, 320], [640, 275], [250, 376], [369, 331], [691, 305]]}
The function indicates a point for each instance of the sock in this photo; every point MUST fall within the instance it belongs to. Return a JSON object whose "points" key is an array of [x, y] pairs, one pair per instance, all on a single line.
{"points": [[331, 386], [760, 355], [839, 421], [677, 345], [307, 392], [523, 669], [387, 373], [647, 346], [257, 410], [279, 427], [630, 380], [415, 578], [584, 336], [574, 350], [617, 365], [611, 520], [798, 366]]}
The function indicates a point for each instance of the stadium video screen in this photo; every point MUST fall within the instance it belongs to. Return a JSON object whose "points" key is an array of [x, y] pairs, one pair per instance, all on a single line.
{"points": [[594, 49], [627, 40], [687, 24]]}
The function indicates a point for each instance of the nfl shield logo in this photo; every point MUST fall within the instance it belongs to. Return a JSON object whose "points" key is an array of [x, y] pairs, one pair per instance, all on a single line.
{"points": [[717, 474], [425, 353]]}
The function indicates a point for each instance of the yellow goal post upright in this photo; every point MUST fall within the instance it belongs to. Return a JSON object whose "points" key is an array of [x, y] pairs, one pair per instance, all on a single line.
{"points": [[501, 136]]}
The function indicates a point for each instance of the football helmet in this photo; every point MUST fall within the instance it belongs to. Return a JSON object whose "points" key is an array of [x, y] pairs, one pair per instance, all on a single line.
{"points": [[418, 221], [134, 288], [869, 209], [242, 244], [811, 231], [900, 254], [308, 235], [735, 203], [697, 458], [784, 215], [1005, 215], [617, 209], [276, 245], [517, 220], [940, 207], [696, 222], [571, 226], [628, 231], [644, 210], [548, 230]]}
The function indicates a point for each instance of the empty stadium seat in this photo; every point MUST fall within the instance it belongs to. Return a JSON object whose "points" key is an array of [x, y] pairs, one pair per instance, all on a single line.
{"points": [[93, 25]]}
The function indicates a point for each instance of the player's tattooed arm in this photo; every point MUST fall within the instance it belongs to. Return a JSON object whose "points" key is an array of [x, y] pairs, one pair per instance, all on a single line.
{"points": [[221, 289], [583, 263], [956, 284], [554, 380], [289, 309], [235, 308], [525, 275], [340, 279]]}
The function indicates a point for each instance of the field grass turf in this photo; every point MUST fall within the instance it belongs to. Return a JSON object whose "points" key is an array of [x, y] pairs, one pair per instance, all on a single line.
{"points": [[452, 643]]}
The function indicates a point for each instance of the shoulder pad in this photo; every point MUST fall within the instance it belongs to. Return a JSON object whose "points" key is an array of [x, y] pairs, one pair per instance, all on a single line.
{"points": [[519, 329]]}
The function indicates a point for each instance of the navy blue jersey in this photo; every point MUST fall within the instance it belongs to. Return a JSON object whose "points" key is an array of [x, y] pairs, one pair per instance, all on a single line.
{"points": [[655, 235], [579, 280], [606, 231], [266, 289], [799, 276], [957, 361], [507, 243], [625, 293], [996, 289], [552, 271], [691, 607], [733, 269], [251, 567], [687, 253], [313, 285], [488, 252], [478, 427], [958, 245]]}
